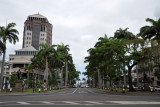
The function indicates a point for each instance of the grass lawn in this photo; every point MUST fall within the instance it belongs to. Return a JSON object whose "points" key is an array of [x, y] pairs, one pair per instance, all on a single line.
{"points": [[30, 91], [126, 91]]}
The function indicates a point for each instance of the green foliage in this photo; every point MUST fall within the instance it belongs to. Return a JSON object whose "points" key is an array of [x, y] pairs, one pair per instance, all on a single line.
{"points": [[112, 55], [157, 73], [12, 80], [151, 32], [58, 58], [2, 47], [52, 79], [7, 33]]}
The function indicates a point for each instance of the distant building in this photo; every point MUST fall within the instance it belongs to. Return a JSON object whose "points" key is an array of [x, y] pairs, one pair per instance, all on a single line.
{"points": [[26, 53], [147, 69], [18, 62], [37, 30]]}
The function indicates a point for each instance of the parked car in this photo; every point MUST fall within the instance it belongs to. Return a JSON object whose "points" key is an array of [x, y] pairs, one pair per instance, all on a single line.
{"points": [[152, 88], [157, 88], [87, 86], [82, 86], [74, 86]]}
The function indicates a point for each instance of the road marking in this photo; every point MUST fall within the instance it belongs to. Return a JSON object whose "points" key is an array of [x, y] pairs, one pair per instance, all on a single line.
{"points": [[79, 103], [24, 103], [46, 102], [69, 102], [91, 91], [134, 102], [74, 91], [82, 92], [93, 102]]}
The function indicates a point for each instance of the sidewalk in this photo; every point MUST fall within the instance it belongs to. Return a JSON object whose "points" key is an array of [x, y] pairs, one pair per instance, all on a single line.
{"points": [[144, 93], [20, 93]]}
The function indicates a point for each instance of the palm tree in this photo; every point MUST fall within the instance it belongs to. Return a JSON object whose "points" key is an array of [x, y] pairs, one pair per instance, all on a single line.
{"points": [[45, 52], [56, 62], [29, 70], [8, 33], [123, 34], [151, 32], [66, 57], [2, 47]]}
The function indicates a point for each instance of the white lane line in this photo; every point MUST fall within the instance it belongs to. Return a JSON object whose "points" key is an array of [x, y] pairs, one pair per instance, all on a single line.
{"points": [[93, 102], [82, 92], [74, 91], [134, 102], [69, 102], [46, 102], [91, 91], [23, 103]]}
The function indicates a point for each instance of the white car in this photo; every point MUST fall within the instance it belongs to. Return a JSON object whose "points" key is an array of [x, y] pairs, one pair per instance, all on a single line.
{"points": [[87, 86], [82, 86], [152, 88], [157, 88]]}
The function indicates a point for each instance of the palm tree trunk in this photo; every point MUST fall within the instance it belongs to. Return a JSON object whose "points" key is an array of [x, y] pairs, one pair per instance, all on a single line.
{"points": [[46, 73], [137, 76], [99, 80], [124, 75], [61, 77], [2, 69], [27, 79], [130, 80], [66, 77], [103, 81]]}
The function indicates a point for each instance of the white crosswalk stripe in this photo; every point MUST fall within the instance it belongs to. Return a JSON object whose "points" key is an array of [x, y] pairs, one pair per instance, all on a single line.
{"points": [[46, 102], [80, 103], [23, 103], [93, 102], [134, 102], [69, 102]]}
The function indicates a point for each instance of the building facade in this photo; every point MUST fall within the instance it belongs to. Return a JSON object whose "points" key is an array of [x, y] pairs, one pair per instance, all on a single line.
{"points": [[18, 62], [37, 30], [146, 70]]}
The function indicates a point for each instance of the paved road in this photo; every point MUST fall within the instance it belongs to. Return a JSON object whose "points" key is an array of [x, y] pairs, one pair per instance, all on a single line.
{"points": [[79, 97]]}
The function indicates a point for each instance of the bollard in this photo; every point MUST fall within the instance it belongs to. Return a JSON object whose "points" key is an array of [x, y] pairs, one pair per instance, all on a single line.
{"points": [[123, 90], [39, 90], [116, 89], [10, 90]]}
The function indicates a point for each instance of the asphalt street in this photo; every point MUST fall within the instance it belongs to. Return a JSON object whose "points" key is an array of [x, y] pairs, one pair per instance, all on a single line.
{"points": [[79, 97]]}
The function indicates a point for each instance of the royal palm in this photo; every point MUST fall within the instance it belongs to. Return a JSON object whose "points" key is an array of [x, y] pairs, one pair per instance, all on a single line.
{"points": [[7, 33]]}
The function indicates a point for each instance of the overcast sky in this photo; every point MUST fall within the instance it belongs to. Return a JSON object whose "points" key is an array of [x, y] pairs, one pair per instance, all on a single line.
{"points": [[79, 23]]}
